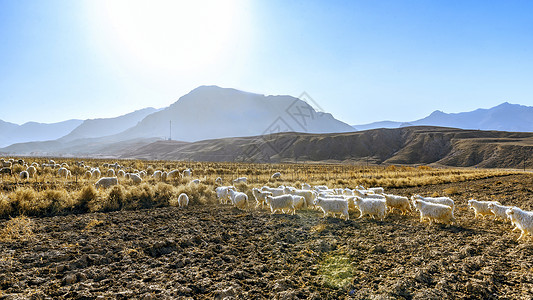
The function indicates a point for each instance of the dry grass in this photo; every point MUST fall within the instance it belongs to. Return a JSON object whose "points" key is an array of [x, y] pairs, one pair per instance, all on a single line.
{"points": [[17, 229], [47, 194]]}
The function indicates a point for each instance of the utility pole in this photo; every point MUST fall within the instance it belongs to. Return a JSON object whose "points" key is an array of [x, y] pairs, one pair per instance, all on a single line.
{"points": [[170, 135]]}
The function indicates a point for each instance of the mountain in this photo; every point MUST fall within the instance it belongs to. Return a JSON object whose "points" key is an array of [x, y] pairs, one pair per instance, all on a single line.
{"points": [[504, 117], [32, 131], [93, 128], [408, 145], [380, 124], [209, 112]]}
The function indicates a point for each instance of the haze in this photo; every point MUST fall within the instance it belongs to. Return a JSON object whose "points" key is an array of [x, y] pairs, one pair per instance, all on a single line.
{"points": [[362, 61]]}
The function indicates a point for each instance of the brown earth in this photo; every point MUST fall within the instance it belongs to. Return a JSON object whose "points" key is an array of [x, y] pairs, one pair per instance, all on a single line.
{"points": [[407, 145], [219, 251]]}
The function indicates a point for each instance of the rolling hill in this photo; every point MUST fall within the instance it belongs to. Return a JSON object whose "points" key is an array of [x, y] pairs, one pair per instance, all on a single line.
{"points": [[409, 145], [32, 131]]}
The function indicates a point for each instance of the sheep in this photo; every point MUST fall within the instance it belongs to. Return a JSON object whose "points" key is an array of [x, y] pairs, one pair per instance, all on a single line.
{"points": [[157, 174], [376, 190], [136, 178], [121, 173], [376, 208], [24, 175], [5, 170], [522, 219], [280, 203], [399, 202], [173, 174], [110, 173], [438, 200], [195, 181], [319, 188], [186, 173], [239, 180], [223, 195], [63, 172], [218, 180], [88, 175], [308, 195], [96, 173], [306, 186], [106, 182], [164, 176], [260, 197], [5, 164], [434, 211], [183, 200], [347, 192], [481, 208], [276, 175], [373, 196], [499, 210], [142, 174], [31, 171], [299, 202], [333, 206], [275, 191], [239, 200]]}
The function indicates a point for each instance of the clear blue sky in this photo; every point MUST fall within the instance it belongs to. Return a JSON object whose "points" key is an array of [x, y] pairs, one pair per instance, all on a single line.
{"points": [[363, 61]]}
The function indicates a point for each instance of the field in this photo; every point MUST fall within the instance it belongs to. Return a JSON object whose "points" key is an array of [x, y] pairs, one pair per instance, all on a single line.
{"points": [[61, 238]]}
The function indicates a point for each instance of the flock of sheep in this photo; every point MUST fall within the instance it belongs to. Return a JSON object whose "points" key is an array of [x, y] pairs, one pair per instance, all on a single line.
{"points": [[372, 201], [285, 199]]}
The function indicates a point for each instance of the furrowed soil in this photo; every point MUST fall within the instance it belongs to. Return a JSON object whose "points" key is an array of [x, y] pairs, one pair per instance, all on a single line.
{"points": [[221, 252]]}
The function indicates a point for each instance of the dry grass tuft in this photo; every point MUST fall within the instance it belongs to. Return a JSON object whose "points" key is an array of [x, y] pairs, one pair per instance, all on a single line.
{"points": [[17, 229]]}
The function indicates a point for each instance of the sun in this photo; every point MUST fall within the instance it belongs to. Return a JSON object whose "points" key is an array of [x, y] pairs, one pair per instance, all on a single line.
{"points": [[173, 35]]}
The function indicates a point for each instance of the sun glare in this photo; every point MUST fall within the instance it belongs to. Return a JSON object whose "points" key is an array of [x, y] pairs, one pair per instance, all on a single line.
{"points": [[172, 35]]}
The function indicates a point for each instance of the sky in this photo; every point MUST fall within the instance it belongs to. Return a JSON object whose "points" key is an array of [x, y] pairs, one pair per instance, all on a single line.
{"points": [[362, 61]]}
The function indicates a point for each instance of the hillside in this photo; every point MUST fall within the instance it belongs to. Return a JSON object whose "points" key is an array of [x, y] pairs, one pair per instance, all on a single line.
{"points": [[93, 128], [409, 145]]}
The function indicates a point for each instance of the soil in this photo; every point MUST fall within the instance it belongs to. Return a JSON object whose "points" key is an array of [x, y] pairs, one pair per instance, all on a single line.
{"points": [[221, 252]]}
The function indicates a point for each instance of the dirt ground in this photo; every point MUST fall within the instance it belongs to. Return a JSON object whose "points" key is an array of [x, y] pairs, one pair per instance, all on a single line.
{"points": [[221, 252]]}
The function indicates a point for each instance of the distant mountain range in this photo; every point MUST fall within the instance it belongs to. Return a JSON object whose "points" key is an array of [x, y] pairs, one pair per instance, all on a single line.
{"points": [[504, 117], [32, 131], [207, 112]]}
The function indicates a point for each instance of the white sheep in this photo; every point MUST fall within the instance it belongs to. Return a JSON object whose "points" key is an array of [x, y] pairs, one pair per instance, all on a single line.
{"points": [[276, 175], [376, 190], [173, 174], [31, 170], [106, 182], [121, 173], [142, 174], [481, 208], [239, 180], [306, 186], [157, 174], [218, 180], [24, 175], [522, 219], [399, 202], [260, 197], [110, 173], [88, 175], [438, 200], [164, 176], [275, 191], [187, 173], [183, 200], [333, 206], [195, 181], [434, 211], [499, 210], [376, 208], [223, 195], [239, 200], [319, 188], [63, 172], [309, 196], [298, 202], [135, 178], [283, 202], [96, 173]]}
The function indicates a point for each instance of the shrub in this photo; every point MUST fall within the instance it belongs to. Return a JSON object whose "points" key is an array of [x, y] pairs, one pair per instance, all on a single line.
{"points": [[24, 201], [163, 193], [199, 194], [86, 195], [57, 201], [140, 196]]}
